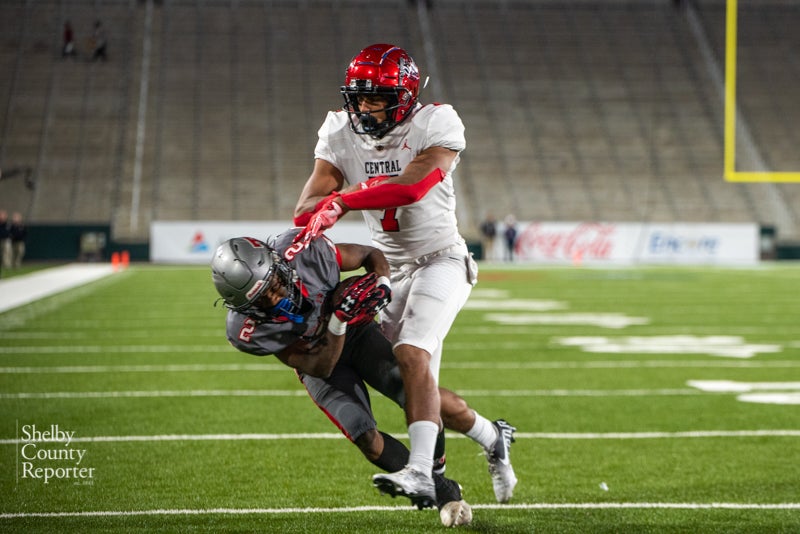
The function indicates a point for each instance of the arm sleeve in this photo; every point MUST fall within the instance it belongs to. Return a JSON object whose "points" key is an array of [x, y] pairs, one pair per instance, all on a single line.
{"points": [[385, 196]]}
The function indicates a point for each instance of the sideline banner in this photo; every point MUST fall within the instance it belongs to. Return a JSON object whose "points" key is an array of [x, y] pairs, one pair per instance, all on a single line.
{"points": [[195, 241], [632, 243]]}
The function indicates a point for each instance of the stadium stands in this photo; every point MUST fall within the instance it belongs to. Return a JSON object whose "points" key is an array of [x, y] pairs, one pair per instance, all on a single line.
{"points": [[575, 110]]}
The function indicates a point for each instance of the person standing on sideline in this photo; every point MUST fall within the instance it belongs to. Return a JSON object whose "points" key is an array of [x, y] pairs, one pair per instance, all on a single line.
{"points": [[392, 157], [510, 235], [5, 240], [19, 233], [488, 234]]}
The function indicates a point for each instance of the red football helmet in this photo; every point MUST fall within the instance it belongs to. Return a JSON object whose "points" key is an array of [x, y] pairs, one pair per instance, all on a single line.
{"points": [[381, 70]]}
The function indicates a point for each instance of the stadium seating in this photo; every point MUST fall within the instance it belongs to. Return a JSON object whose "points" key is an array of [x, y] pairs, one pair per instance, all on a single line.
{"points": [[576, 110]]}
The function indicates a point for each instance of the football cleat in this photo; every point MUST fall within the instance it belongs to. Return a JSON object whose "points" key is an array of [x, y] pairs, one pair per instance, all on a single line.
{"points": [[503, 477], [410, 483], [453, 510]]}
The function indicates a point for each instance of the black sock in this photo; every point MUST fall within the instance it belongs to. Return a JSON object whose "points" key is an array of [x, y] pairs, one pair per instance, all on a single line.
{"points": [[438, 454], [394, 456]]}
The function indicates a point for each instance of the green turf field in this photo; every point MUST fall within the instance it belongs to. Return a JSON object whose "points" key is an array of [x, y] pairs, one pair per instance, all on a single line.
{"points": [[646, 400]]}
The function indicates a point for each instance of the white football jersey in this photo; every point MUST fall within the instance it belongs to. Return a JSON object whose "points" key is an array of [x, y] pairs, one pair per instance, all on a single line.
{"points": [[406, 233]]}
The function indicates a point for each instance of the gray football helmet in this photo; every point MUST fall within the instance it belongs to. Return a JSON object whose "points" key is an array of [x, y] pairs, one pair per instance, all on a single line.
{"points": [[242, 270]]}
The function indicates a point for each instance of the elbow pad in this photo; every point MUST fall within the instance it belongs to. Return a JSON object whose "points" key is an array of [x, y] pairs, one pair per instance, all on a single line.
{"points": [[384, 196]]}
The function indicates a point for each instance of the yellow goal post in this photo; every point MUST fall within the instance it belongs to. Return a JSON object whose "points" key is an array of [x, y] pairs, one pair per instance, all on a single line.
{"points": [[731, 174]]}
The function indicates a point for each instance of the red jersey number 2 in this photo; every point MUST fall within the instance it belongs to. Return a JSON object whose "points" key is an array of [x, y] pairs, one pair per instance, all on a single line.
{"points": [[389, 222]]}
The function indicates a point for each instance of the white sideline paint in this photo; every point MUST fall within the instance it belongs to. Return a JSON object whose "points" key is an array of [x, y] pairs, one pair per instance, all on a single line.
{"points": [[695, 434], [20, 290], [406, 508]]}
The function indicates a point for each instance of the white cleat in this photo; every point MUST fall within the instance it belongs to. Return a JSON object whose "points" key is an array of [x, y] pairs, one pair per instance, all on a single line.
{"points": [[503, 478], [410, 483]]}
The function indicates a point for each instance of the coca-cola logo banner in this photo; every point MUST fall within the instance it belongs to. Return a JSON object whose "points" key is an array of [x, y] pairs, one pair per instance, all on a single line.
{"points": [[624, 243]]}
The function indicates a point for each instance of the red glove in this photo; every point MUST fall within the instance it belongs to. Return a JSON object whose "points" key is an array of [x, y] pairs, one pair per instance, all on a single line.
{"points": [[320, 221], [303, 218], [326, 213], [372, 303], [362, 299]]}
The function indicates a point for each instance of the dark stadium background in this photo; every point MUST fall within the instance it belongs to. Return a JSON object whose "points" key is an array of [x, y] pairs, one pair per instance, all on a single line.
{"points": [[604, 110]]}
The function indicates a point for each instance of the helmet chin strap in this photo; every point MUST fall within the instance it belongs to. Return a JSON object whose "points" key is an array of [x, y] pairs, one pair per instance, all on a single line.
{"points": [[284, 309]]}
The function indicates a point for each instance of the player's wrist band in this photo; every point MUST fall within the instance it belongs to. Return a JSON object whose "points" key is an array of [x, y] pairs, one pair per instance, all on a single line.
{"points": [[336, 326], [383, 281]]}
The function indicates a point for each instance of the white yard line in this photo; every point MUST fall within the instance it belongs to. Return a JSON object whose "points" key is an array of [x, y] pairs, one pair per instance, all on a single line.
{"points": [[630, 364], [118, 349], [405, 508], [160, 393], [300, 392], [168, 368], [695, 434]]}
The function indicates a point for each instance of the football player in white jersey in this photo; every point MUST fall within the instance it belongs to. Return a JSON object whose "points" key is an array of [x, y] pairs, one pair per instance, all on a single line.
{"points": [[393, 158]]}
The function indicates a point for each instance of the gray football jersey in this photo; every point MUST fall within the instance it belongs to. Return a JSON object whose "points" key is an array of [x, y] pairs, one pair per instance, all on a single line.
{"points": [[318, 270]]}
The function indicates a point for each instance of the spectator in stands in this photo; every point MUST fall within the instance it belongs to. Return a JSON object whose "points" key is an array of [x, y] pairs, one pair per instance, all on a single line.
{"points": [[19, 233], [99, 42], [5, 240], [510, 234], [488, 234], [69, 42]]}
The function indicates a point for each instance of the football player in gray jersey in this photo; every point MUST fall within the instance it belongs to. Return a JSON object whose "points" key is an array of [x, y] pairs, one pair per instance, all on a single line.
{"points": [[291, 309]]}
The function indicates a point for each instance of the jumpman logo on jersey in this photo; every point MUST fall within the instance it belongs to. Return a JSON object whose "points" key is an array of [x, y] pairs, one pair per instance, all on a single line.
{"points": [[405, 145]]}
